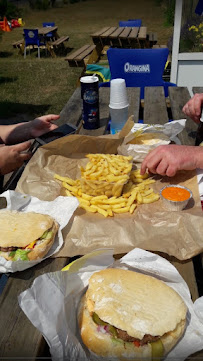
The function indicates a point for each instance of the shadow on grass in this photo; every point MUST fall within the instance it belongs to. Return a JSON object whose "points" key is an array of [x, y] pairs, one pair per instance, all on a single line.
{"points": [[5, 54], [5, 79], [8, 109]]}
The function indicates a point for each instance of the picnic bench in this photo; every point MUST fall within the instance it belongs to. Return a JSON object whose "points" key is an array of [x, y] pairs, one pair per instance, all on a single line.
{"points": [[49, 44], [19, 44], [151, 39], [84, 55]]}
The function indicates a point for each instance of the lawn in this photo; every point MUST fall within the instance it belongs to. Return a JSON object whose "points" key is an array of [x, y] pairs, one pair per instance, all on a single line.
{"points": [[31, 87]]}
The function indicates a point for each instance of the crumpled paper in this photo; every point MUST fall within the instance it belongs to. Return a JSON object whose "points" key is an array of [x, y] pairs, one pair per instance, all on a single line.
{"points": [[58, 294], [139, 151], [61, 209]]}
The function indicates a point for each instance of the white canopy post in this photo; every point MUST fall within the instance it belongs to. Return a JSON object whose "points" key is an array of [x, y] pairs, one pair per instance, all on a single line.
{"points": [[176, 40]]}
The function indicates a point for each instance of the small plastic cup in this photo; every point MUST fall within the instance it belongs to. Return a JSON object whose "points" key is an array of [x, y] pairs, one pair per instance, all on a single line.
{"points": [[118, 105], [118, 119], [118, 94]]}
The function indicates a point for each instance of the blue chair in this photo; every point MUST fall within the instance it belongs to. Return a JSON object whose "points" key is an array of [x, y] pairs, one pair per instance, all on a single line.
{"points": [[31, 37], [139, 67], [131, 23], [48, 25]]}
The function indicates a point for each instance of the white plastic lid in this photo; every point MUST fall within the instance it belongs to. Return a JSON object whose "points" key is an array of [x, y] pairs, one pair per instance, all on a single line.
{"points": [[89, 79]]}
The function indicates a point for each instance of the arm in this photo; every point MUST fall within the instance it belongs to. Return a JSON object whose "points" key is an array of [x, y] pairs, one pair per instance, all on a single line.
{"points": [[193, 107], [16, 133], [168, 159]]}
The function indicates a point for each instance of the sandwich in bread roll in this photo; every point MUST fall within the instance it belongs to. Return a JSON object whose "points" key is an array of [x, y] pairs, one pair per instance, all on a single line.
{"points": [[126, 315], [150, 139], [26, 236]]}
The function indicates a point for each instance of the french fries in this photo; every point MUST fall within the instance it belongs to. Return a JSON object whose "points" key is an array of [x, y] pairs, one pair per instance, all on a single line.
{"points": [[122, 192], [105, 174]]}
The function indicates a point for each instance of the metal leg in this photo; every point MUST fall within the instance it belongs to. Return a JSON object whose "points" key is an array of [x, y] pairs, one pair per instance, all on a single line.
{"points": [[25, 52], [38, 52]]}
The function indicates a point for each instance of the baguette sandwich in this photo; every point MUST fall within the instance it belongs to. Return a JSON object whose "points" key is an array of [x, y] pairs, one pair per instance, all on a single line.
{"points": [[26, 236], [126, 315]]}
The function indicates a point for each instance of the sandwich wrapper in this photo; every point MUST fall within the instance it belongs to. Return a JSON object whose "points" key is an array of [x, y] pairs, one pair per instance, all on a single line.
{"points": [[58, 294], [61, 209], [168, 130]]}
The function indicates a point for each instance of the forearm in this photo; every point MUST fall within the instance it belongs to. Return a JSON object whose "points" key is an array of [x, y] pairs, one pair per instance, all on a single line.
{"points": [[198, 154], [15, 133]]}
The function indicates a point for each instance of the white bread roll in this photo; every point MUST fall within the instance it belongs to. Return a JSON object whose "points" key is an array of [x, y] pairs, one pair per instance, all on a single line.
{"points": [[138, 304]]}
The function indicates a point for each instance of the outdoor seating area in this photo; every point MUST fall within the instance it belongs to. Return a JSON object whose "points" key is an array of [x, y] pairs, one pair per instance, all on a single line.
{"points": [[101, 182], [45, 37]]}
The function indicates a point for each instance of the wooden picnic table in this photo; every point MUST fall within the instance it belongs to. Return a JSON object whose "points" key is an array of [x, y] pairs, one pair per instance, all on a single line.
{"points": [[130, 37], [18, 337], [50, 43]]}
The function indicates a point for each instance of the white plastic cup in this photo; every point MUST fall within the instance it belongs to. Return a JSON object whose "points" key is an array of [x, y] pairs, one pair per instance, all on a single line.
{"points": [[118, 105], [118, 94], [118, 119]]}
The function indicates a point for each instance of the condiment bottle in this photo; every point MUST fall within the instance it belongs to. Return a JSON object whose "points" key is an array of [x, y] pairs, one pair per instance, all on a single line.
{"points": [[199, 136]]}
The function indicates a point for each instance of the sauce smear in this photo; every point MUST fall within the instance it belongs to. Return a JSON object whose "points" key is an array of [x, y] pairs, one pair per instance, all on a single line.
{"points": [[175, 194]]}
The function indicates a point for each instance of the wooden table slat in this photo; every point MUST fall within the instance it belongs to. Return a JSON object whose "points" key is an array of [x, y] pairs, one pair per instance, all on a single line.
{"points": [[100, 32], [108, 32], [178, 98], [18, 337], [142, 33], [116, 33], [125, 33], [133, 33], [155, 109]]}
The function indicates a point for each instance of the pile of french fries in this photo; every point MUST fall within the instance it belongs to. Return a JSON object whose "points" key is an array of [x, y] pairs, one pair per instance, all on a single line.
{"points": [[105, 174], [103, 179]]}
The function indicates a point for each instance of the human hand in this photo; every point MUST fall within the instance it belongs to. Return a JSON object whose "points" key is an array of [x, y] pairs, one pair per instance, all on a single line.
{"points": [[193, 107], [168, 159], [43, 125], [12, 156]]}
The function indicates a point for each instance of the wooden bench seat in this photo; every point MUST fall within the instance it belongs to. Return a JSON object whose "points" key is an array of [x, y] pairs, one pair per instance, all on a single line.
{"points": [[157, 46], [18, 43], [59, 41], [81, 56], [152, 39]]}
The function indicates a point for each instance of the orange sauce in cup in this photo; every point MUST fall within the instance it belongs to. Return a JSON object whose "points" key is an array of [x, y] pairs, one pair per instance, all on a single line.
{"points": [[175, 194]]}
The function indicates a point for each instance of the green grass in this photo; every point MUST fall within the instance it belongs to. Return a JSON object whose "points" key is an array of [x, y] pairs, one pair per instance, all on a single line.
{"points": [[33, 86]]}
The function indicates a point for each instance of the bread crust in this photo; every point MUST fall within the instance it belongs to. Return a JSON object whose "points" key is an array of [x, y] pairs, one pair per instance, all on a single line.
{"points": [[13, 224], [40, 250], [104, 345], [134, 302]]}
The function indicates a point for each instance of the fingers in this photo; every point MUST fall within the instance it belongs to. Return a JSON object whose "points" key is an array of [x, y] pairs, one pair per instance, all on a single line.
{"points": [[151, 162], [21, 147], [193, 107], [49, 117]]}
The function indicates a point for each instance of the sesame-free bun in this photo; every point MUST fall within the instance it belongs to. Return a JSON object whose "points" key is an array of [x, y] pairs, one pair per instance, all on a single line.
{"points": [[19, 229], [138, 304]]}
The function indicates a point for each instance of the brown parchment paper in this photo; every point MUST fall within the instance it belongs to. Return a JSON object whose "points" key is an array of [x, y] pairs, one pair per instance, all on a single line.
{"points": [[151, 227]]}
